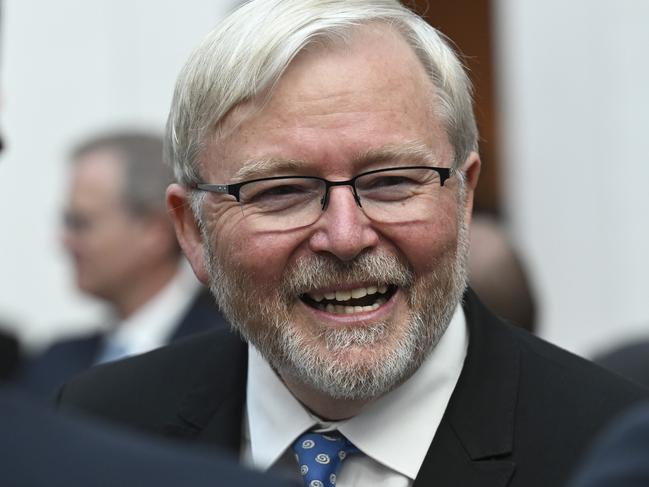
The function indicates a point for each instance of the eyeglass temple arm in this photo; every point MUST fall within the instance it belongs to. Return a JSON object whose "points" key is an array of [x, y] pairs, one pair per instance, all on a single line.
{"points": [[231, 189]]}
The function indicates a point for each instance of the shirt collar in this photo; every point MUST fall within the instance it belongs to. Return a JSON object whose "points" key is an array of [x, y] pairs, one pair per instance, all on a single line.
{"points": [[408, 415], [153, 323]]}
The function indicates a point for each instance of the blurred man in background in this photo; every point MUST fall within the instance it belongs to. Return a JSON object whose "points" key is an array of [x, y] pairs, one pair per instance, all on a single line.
{"points": [[124, 251]]}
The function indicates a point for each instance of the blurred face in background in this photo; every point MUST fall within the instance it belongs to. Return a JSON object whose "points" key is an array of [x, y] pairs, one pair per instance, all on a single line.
{"points": [[107, 243]]}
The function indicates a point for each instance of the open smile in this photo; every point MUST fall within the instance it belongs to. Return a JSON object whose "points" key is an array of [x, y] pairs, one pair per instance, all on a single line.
{"points": [[350, 301]]}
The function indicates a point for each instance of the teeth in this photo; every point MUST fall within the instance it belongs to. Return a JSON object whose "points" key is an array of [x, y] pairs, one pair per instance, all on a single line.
{"points": [[351, 294], [348, 310], [343, 295], [359, 293]]}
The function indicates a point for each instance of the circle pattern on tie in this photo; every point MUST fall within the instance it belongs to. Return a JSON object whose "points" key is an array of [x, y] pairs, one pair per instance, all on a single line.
{"points": [[322, 458], [319, 457], [308, 444]]}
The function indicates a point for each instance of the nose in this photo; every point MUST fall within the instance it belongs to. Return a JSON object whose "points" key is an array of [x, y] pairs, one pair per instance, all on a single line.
{"points": [[343, 230]]}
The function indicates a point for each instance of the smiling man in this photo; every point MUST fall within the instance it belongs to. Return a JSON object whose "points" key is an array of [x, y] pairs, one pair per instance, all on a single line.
{"points": [[326, 158]]}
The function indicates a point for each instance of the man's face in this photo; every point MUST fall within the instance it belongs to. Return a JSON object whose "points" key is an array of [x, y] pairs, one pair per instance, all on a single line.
{"points": [[102, 237], [330, 108]]}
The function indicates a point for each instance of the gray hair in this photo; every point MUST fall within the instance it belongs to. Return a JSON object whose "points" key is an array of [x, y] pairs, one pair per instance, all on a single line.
{"points": [[249, 51], [146, 177]]}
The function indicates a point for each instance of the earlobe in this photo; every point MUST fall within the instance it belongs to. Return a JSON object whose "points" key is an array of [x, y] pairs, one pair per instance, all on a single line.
{"points": [[187, 231]]}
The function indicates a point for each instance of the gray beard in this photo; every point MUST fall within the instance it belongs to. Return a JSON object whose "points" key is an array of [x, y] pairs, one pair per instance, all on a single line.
{"points": [[261, 314]]}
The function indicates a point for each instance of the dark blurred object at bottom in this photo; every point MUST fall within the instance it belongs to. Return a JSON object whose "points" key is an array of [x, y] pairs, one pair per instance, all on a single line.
{"points": [[40, 448], [619, 457]]}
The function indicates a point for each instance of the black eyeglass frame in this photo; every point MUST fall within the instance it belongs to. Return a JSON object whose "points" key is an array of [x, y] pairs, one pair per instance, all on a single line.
{"points": [[235, 188]]}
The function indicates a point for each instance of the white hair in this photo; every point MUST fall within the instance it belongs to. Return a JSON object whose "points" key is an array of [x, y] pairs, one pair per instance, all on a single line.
{"points": [[248, 52]]}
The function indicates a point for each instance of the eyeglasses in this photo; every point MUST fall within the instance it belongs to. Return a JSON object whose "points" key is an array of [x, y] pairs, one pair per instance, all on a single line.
{"points": [[389, 195]]}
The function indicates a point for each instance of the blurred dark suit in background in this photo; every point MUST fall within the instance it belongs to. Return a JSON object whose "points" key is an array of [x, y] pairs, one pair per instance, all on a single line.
{"points": [[44, 373]]}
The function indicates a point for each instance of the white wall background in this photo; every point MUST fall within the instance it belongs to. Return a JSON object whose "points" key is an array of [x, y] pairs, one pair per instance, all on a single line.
{"points": [[575, 111], [69, 69]]}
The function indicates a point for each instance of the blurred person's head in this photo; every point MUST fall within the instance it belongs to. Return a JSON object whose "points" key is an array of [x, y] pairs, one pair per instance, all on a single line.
{"points": [[116, 227], [498, 274], [344, 289]]}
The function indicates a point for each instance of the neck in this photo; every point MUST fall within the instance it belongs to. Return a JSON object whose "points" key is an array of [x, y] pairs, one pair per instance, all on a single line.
{"points": [[322, 405], [138, 292]]}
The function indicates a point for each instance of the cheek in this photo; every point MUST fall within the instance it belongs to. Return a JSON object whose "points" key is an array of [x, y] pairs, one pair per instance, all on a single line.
{"points": [[425, 244], [261, 257]]}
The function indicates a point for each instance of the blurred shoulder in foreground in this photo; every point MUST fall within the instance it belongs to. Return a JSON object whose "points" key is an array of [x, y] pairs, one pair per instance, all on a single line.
{"points": [[619, 458], [40, 447]]}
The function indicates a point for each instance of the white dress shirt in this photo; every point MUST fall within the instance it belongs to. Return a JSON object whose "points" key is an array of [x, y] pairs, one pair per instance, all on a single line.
{"points": [[152, 325], [393, 433]]}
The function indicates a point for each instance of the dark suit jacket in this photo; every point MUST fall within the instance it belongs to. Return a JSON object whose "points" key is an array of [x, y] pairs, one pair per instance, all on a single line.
{"points": [[45, 373], [521, 414], [40, 448], [621, 457]]}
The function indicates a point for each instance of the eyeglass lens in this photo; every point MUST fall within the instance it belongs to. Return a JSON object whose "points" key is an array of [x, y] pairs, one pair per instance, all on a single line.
{"points": [[389, 196]]}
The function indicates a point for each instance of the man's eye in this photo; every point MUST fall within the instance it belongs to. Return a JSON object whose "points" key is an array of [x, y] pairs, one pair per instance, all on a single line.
{"points": [[76, 223], [283, 191], [388, 182]]}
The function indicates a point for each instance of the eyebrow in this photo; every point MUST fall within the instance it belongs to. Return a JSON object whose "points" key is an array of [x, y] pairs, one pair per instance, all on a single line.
{"points": [[412, 151], [261, 168]]}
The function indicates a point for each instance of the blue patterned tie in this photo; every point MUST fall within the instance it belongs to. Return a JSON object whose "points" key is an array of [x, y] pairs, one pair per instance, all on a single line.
{"points": [[320, 456]]}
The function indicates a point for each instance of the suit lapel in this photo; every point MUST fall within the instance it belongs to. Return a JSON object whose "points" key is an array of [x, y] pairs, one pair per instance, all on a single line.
{"points": [[473, 445], [212, 409]]}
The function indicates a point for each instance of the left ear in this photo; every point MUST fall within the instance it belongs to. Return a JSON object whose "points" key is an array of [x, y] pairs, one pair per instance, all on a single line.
{"points": [[187, 231], [471, 170]]}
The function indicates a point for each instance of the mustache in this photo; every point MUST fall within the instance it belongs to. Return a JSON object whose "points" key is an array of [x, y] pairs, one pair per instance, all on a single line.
{"points": [[324, 271]]}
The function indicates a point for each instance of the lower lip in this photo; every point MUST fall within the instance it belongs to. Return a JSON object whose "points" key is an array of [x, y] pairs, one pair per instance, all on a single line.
{"points": [[356, 318]]}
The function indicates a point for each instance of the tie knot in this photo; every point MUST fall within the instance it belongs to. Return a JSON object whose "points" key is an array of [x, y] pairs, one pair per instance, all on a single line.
{"points": [[320, 456]]}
